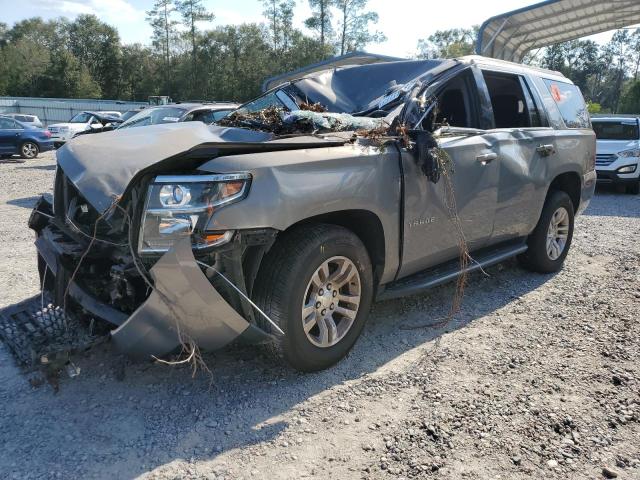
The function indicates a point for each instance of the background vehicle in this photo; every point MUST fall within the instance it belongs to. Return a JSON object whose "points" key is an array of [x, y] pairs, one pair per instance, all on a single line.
{"points": [[102, 123], [618, 151], [130, 113], [25, 119], [27, 141], [63, 132], [312, 224], [180, 112]]}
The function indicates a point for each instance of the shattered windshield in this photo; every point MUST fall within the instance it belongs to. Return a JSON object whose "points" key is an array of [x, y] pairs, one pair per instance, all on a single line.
{"points": [[154, 116]]}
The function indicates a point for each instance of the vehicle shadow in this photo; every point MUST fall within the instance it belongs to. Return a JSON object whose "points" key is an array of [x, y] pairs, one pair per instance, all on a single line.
{"points": [[159, 414], [26, 202], [40, 167], [12, 160]]}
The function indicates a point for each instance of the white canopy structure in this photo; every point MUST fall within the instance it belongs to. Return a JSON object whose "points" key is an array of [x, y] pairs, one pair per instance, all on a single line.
{"points": [[511, 35]]}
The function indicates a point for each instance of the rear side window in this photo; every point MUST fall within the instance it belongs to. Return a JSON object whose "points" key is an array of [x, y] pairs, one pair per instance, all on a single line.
{"points": [[570, 103], [627, 130], [512, 103]]}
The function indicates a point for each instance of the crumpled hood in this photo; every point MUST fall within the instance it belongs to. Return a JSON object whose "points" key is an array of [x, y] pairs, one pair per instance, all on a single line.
{"points": [[102, 166]]}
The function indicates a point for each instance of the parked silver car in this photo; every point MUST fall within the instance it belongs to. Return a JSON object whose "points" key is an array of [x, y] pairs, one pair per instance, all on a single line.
{"points": [[283, 223]]}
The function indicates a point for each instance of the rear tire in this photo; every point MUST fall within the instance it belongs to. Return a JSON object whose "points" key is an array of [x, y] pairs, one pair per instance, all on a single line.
{"points": [[634, 188], [550, 241], [290, 286], [29, 150]]}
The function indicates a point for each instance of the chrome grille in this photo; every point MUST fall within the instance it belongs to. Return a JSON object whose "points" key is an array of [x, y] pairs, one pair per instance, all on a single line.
{"points": [[603, 160]]}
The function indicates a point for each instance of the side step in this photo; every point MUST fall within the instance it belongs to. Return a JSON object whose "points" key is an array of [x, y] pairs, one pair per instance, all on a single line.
{"points": [[421, 281]]}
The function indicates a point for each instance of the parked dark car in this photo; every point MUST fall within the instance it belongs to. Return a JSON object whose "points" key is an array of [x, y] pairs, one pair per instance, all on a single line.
{"points": [[180, 112], [17, 138]]}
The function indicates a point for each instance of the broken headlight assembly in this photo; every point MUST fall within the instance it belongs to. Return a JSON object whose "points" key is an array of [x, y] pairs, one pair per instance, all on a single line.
{"points": [[179, 206]]}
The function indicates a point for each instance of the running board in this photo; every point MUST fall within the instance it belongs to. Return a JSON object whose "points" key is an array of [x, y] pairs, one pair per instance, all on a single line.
{"points": [[421, 281]]}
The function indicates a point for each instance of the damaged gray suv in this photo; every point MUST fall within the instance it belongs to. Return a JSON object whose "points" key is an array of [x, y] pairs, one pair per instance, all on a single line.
{"points": [[284, 222]]}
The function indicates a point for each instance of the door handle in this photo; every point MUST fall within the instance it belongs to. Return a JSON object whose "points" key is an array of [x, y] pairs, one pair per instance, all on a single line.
{"points": [[546, 150], [486, 158]]}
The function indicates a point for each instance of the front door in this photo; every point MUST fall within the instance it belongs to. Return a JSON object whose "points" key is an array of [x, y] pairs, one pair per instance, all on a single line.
{"points": [[9, 136], [435, 212]]}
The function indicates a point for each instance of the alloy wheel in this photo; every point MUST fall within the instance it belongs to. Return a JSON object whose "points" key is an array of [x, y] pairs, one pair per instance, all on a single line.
{"points": [[29, 150], [331, 302], [558, 233]]}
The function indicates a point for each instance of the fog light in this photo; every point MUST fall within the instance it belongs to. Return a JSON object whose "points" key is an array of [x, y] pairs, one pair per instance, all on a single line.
{"points": [[627, 169]]}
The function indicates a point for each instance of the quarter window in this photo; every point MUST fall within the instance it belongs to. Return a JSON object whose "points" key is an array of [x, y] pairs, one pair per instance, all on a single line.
{"points": [[570, 103]]}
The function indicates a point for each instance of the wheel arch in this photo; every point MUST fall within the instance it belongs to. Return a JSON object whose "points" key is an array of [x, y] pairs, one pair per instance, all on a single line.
{"points": [[365, 224], [568, 182]]}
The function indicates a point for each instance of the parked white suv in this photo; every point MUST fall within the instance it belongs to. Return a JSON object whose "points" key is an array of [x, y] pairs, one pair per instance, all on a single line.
{"points": [[63, 132], [618, 151]]}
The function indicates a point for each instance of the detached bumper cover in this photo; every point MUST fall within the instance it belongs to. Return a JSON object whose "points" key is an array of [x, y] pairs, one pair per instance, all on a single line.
{"points": [[184, 306]]}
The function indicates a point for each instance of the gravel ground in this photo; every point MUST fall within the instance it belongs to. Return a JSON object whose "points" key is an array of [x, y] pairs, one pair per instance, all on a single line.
{"points": [[538, 377]]}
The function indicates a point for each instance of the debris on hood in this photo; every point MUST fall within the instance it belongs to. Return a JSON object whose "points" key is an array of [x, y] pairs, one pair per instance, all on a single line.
{"points": [[311, 120]]}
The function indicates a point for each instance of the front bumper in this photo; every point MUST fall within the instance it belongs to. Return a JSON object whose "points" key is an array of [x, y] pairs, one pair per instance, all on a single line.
{"points": [[606, 176], [46, 145], [183, 307], [587, 191]]}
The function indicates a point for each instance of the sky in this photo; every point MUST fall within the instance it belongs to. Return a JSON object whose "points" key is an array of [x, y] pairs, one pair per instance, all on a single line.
{"points": [[404, 22]]}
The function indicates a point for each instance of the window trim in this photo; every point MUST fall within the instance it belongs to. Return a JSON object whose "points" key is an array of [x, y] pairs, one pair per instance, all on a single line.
{"points": [[525, 84]]}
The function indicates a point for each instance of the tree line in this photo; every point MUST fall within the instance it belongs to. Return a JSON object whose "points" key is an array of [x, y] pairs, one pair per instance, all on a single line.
{"points": [[85, 58]]}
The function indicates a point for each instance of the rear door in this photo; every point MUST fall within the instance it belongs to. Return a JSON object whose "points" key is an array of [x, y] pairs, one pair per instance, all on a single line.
{"points": [[430, 228], [525, 144]]}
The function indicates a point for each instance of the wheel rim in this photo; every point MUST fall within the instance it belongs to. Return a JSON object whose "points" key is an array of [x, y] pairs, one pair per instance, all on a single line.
{"points": [[558, 233], [29, 150], [331, 302]]}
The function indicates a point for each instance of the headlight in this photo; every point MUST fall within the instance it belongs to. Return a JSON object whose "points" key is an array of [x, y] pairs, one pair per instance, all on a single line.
{"points": [[634, 152], [180, 206], [64, 129]]}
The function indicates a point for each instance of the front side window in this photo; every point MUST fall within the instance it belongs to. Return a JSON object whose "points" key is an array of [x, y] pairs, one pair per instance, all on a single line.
{"points": [[570, 103], [454, 104], [622, 130]]}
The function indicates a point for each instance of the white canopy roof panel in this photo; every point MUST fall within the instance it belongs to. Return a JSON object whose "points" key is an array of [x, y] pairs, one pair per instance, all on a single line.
{"points": [[511, 35]]}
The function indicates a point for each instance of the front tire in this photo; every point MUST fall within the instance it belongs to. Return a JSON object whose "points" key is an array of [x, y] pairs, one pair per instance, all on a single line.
{"points": [[29, 150], [316, 284], [550, 241]]}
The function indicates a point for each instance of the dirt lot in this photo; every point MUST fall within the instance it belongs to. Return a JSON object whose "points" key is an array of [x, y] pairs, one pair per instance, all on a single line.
{"points": [[539, 377]]}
